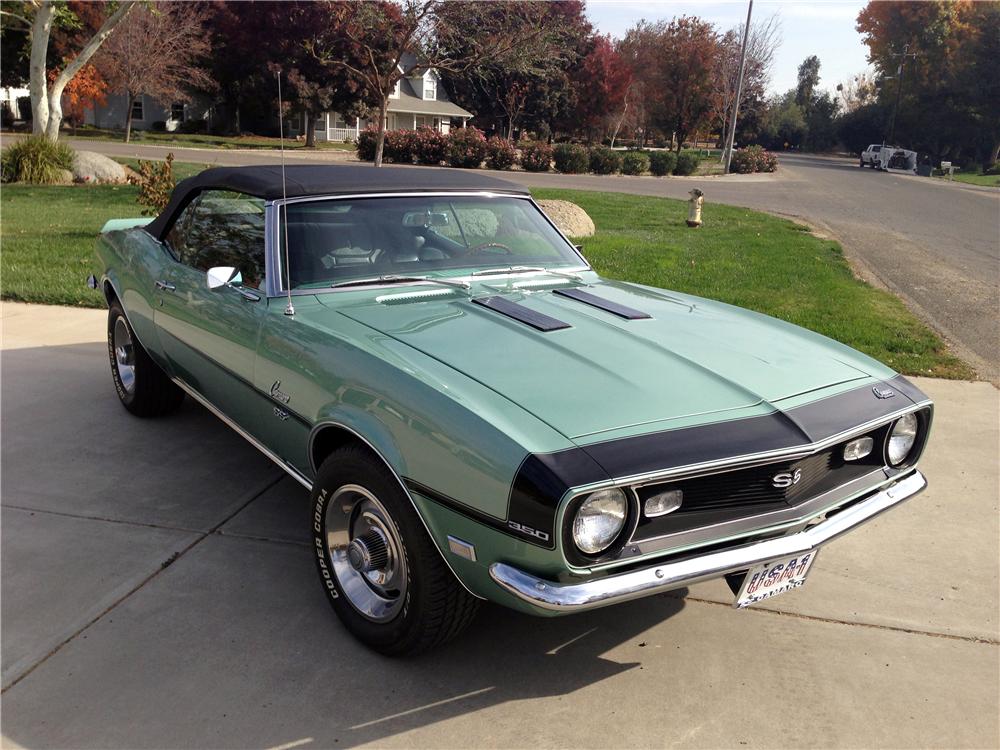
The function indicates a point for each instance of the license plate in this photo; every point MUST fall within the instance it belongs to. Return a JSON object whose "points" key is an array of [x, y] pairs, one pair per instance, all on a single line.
{"points": [[773, 578]]}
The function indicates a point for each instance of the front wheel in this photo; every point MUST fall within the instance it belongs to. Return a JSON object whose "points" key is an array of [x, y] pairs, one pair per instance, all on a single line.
{"points": [[378, 567], [142, 387]]}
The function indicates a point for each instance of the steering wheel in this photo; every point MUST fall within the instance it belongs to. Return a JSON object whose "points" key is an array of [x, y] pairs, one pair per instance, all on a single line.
{"points": [[486, 245]]}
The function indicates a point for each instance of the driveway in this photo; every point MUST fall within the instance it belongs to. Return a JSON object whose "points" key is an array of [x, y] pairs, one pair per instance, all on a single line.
{"points": [[935, 244], [158, 591]]}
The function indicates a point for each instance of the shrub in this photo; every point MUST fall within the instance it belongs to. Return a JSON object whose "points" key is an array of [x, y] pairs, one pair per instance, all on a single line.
{"points": [[156, 183], [193, 126], [159, 126], [571, 158], [36, 160], [367, 139], [635, 162], [466, 148], [753, 159], [662, 163], [604, 160], [500, 153], [536, 156], [687, 163], [429, 145], [399, 146]]}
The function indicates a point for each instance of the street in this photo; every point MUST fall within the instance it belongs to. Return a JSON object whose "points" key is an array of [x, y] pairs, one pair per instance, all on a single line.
{"points": [[935, 244], [159, 591]]}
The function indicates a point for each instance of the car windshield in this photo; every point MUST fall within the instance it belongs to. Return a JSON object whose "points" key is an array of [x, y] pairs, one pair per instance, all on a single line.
{"points": [[336, 240]]}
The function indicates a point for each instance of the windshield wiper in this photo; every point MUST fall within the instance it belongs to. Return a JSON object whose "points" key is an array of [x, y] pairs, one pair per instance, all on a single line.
{"points": [[528, 269], [392, 279]]}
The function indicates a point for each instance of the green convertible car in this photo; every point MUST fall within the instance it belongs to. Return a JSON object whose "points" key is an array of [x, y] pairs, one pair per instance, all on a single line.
{"points": [[477, 414]]}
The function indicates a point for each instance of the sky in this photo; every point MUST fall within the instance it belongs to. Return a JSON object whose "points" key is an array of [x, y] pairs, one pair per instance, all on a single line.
{"points": [[821, 28]]}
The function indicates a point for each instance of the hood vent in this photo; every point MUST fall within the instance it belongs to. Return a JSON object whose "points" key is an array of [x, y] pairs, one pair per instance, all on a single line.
{"points": [[523, 314], [602, 304]]}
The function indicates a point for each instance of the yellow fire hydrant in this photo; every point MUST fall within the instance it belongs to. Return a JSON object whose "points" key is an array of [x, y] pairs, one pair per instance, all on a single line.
{"points": [[694, 208]]}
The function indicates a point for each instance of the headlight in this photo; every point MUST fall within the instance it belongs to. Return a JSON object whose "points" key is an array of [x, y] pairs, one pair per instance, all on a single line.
{"points": [[902, 438], [599, 520]]}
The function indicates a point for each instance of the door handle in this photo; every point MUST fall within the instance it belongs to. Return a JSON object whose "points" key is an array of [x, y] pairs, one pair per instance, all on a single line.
{"points": [[165, 286]]}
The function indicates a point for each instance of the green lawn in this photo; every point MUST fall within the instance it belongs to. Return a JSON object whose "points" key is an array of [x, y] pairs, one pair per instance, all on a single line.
{"points": [[990, 180], [196, 140], [761, 262], [739, 256]]}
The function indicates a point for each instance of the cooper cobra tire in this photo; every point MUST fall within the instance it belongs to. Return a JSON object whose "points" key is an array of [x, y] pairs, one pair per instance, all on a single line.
{"points": [[143, 388], [408, 601]]}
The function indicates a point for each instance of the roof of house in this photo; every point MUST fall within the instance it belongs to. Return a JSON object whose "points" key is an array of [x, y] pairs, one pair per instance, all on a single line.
{"points": [[411, 101], [313, 179]]}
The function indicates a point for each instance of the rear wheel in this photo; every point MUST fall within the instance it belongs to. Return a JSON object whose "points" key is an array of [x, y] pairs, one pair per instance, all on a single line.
{"points": [[143, 388], [378, 567]]}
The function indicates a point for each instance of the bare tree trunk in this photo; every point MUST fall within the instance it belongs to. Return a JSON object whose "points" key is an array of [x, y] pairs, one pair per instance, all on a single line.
{"points": [[383, 108], [41, 27], [310, 130], [621, 120], [128, 117], [996, 153]]}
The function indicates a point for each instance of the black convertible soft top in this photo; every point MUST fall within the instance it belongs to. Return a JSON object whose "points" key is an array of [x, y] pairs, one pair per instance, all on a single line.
{"points": [[313, 179]]}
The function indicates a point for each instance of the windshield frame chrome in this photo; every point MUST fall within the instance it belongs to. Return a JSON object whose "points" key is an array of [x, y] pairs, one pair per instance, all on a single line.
{"points": [[274, 287]]}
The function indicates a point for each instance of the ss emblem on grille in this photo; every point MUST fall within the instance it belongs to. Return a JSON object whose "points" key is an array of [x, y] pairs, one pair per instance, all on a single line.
{"points": [[787, 478]]}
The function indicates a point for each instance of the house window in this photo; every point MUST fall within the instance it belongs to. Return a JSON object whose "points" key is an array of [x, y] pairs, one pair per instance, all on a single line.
{"points": [[137, 109], [177, 111], [430, 88]]}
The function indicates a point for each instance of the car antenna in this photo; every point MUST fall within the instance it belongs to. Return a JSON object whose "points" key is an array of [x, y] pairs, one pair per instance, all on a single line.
{"points": [[289, 308]]}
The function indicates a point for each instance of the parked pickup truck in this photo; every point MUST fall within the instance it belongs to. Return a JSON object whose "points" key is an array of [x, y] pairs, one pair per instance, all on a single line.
{"points": [[869, 157]]}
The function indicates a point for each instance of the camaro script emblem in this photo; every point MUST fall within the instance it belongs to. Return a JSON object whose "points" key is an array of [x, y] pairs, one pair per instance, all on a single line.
{"points": [[882, 392], [787, 478], [275, 393]]}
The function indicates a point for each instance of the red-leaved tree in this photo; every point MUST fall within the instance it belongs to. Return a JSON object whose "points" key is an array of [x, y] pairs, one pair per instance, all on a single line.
{"points": [[158, 53], [602, 83]]}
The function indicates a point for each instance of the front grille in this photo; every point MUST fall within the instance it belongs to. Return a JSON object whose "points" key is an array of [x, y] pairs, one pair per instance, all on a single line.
{"points": [[731, 495]]}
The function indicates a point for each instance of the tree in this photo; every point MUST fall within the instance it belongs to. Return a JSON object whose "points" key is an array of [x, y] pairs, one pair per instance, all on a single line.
{"points": [[808, 81], [857, 91], [430, 31], [763, 42], [85, 91], [39, 17], [950, 78], [157, 53], [602, 81], [686, 60], [784, 124]]}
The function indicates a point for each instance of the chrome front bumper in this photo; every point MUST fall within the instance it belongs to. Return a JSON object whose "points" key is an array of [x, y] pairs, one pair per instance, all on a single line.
{"points": [[601, 592]]}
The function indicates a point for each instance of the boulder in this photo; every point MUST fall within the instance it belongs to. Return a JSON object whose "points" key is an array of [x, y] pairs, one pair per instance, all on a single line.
{"points": [[89, 166], [569, 217]]}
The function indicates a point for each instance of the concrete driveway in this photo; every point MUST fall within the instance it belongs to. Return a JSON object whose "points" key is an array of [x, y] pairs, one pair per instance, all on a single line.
{"points": [[158, 592], [936, 244]]}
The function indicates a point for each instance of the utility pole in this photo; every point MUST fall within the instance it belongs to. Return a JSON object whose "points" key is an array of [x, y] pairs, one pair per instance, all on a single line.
{"points": [[727, 153], [899, 89]]}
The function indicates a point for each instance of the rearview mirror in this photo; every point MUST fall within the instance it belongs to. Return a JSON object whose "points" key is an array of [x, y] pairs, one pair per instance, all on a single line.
{"points": [[425, 219], [221, 276]]}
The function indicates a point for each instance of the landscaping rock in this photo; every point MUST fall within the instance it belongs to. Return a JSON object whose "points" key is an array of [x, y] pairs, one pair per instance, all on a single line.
{"points": [[569, 217], [89, 166]]}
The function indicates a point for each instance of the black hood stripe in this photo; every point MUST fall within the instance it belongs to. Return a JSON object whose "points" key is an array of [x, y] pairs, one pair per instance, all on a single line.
{"points": [[600, 303], [520, 313]]}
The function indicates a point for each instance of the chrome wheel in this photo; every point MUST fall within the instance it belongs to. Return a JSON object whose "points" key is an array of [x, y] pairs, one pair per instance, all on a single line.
{"points": [[366, 553], [124, 355]]}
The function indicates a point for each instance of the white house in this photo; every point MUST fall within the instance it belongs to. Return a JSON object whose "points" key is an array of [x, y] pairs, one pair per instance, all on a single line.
{"points": [[419, 100]]}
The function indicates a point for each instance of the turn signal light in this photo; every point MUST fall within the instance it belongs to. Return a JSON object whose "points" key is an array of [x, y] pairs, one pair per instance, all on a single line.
{"points": [[858, 449], [662, 503]]}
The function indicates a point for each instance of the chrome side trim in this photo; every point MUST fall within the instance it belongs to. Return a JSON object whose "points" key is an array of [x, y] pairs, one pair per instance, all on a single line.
{"points": [[291, 470], [600, 592], [373, 449]]}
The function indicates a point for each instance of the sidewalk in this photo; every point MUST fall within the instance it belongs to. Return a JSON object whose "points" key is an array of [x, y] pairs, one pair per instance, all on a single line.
{"points": [[158, 591]]}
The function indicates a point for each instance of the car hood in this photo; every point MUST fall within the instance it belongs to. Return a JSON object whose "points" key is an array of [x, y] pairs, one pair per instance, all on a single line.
{"points": [[606, 373]]}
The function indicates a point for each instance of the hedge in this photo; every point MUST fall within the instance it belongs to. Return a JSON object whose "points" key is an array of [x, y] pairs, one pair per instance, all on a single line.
{"points": [[604, 160], [635, 162], [571, 158]]}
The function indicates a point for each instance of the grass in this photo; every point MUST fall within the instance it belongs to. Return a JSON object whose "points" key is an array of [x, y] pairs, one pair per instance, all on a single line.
{"points": [[742, 257], [990, 180], [760, 262], [199, 140]]}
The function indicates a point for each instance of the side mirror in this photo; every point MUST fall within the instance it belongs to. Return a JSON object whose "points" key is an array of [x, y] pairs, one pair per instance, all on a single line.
{"points": [[221, 276]]}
